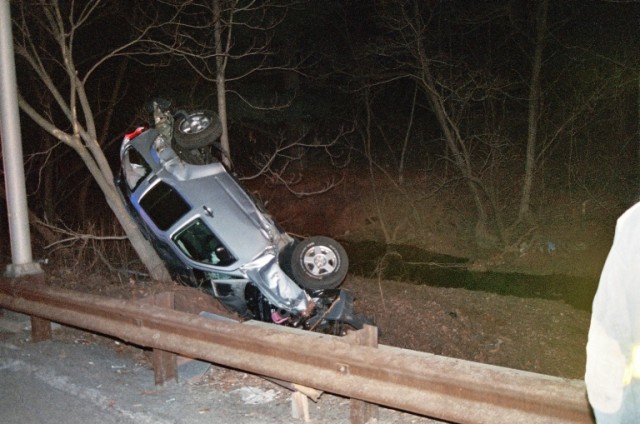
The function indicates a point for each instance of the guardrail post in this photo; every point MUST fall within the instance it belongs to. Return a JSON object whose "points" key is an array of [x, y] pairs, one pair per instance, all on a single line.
{"points": [[361, 411], [40, 329], [165, 364]]}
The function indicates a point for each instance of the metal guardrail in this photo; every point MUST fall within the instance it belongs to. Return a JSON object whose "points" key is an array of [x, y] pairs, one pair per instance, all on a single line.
{"points": [[444, 388]]}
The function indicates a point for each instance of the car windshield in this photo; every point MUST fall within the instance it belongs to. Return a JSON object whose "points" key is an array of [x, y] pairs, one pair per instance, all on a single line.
{"points": [[198, 242]]}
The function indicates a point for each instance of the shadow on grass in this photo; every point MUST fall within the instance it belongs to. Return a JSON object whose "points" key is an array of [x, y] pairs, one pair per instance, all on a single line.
{"points": [[413, 265]]}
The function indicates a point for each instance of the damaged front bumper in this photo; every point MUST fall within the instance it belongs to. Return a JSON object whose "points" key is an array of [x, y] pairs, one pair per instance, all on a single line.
{"points": [[336, 305]]}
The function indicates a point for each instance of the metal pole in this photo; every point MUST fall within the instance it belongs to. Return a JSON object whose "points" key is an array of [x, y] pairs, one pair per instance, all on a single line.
{"points": [[12, 155]]}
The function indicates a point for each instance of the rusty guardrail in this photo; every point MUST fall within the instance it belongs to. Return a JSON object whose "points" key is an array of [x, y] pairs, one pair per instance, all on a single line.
{"points": [[450, 389]]}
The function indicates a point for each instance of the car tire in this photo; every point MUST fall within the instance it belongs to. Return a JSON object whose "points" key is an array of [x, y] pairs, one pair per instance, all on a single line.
{"points": [[319, 263], [197, 129]]}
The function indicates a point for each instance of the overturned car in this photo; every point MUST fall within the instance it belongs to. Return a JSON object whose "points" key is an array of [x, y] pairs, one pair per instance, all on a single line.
{"points": [[212, 234]]}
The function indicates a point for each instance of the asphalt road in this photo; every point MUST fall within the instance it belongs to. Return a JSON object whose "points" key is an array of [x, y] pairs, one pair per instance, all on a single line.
{"points": [[77, 377]]}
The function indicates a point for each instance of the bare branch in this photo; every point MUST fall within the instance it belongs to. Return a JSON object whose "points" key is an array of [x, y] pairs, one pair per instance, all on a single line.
{"points": [[72, 236]]}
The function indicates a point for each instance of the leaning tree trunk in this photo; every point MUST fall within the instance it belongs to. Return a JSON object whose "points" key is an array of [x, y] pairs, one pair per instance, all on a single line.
{"points": [[461, 159], [148, 256], [95, 161], [79, 132], [144, 249], [453, 138]]}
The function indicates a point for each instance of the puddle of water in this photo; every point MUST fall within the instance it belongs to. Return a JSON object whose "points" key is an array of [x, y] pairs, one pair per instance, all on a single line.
{"points": [[413, 265]]}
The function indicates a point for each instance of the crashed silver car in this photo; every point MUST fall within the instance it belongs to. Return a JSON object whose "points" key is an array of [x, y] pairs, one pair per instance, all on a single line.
{"points": [[212, 234]]}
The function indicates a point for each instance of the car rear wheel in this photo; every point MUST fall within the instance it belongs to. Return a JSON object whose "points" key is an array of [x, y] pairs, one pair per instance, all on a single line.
{"points": [[319, 263], [197, 129]]}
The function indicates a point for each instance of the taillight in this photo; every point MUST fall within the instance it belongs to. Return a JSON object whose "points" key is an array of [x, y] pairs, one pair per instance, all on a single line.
{"points": [[133, 134]]}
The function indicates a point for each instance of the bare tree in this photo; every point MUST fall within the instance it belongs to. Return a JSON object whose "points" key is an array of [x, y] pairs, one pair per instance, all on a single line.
{"points": [[47, 34], [223, 42], [408, 26], [462, 96]]}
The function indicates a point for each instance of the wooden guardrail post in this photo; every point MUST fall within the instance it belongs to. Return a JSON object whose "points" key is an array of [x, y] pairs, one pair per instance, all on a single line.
{"points": [[361, 411], [165, 364], [40, 329]]}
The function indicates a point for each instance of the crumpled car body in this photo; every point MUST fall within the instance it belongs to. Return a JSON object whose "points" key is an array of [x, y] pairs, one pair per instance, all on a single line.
{"points": [[212, 234]]}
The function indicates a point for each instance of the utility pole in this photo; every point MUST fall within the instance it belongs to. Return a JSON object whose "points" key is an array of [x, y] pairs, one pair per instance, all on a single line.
{"points": [[11, 140]]}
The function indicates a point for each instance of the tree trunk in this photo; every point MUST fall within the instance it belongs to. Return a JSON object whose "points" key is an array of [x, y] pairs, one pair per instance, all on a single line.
{"points": [[461, 159], [454, 140], [407, 136], [144, 249], [535, 94], [221, 88]]}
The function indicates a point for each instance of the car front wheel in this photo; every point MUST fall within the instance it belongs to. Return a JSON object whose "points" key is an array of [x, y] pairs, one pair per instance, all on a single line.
{"points": [[319, 263]]}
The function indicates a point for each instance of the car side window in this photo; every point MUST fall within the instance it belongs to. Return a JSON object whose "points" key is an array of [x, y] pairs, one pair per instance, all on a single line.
{"points": [[164, 205], [198, 242], [134, 167]]}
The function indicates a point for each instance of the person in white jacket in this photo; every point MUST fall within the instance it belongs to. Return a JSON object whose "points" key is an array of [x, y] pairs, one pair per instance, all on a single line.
{"points": [[612, 373]]}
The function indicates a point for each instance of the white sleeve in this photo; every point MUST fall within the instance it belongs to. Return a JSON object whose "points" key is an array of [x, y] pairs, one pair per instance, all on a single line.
{"points": [[615, 319]]}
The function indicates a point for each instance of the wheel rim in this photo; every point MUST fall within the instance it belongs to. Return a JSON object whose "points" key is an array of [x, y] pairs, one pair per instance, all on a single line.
{"points": [[195, 123], [320, 260]]}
